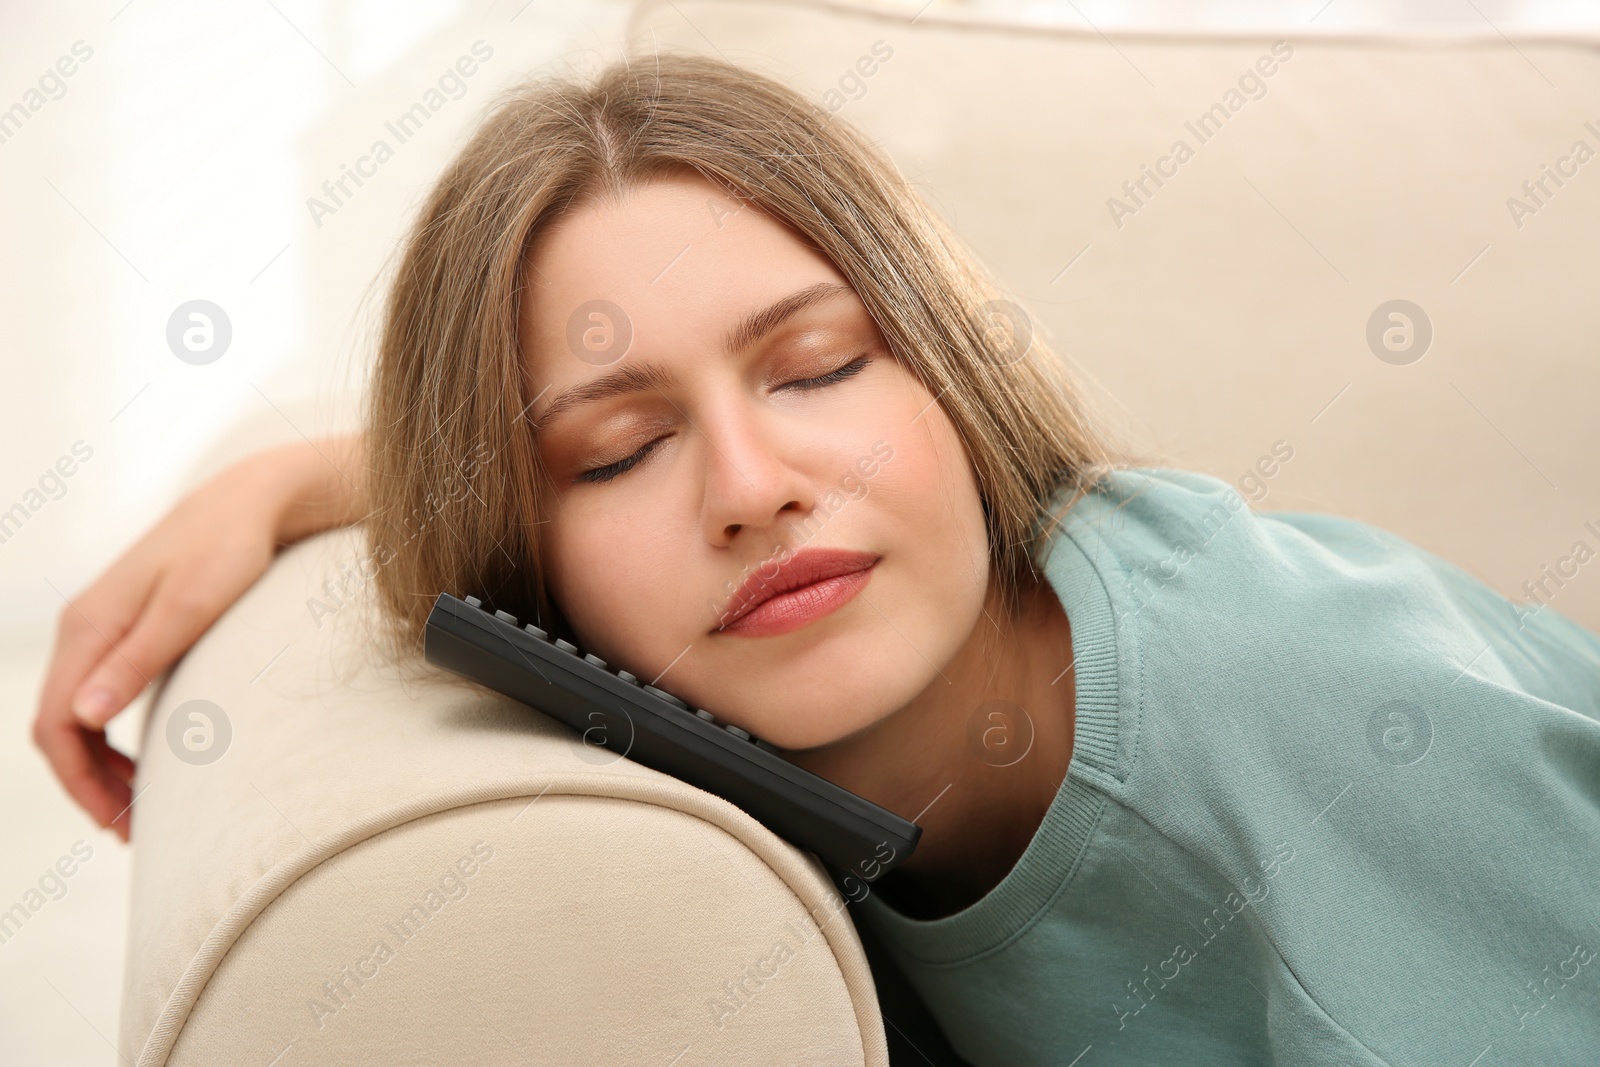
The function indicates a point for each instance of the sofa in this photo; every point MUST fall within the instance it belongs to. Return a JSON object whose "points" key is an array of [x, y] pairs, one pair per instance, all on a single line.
{"points": [[337, 860], [349, 865]]}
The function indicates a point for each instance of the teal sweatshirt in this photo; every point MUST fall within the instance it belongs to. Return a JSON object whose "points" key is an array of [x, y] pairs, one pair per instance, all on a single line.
{"points": [[1332, 801]]}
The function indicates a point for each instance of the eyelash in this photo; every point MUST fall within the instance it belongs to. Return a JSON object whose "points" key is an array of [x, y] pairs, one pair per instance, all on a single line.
{"points": [[622, 466], [855, 366]]}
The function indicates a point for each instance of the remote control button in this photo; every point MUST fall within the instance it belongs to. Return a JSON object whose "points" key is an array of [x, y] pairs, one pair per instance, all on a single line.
{"points": [[668, 697], [626, 677], [736, 732], [704, 714], [535, 631], [474, 601], [566, 646], [596, 660], [505, 616]]}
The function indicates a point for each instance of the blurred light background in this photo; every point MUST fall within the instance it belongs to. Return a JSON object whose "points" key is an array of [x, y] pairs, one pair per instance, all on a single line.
{"points": [[175, 164]]}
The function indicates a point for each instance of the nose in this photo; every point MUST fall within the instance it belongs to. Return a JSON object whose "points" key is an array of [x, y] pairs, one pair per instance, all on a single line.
{"points": [[751, 478]]}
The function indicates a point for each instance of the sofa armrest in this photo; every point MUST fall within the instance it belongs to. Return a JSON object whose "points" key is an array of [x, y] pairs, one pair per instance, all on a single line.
{"points": [[349, 861]]}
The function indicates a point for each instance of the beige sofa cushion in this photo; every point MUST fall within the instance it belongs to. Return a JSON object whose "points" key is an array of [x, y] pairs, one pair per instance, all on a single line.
{"points": [[564, 910]]}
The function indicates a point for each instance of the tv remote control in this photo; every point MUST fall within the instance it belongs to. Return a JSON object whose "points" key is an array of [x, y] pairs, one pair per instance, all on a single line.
{"points": [[616, 711]]}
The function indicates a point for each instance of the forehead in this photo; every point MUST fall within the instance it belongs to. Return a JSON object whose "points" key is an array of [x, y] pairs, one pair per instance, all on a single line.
{"points": [[675, 261]]}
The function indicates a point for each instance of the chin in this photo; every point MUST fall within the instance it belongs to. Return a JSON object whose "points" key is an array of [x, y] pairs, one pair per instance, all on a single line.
{"points": [[801, 730], [817, 715], [830, 692]]}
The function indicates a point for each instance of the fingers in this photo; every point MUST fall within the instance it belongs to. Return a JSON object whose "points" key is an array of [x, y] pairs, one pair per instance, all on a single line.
{"points": [[117, 762], [87, 630], [96, 776], [167, 627], [122, 768]]}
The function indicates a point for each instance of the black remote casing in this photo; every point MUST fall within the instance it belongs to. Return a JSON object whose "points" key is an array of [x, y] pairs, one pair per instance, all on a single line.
{"points": [[617, 712]]}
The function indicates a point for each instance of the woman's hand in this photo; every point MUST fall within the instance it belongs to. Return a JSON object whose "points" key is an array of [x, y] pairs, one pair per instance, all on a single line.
{"points": [[155, 601]]}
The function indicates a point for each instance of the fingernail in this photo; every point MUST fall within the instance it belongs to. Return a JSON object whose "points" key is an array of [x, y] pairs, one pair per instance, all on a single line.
{"points": [[95, 708]]}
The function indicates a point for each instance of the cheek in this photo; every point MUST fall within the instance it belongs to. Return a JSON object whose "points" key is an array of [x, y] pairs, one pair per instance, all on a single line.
{"points": [[958, 509], [616, 578], [929, 484]]}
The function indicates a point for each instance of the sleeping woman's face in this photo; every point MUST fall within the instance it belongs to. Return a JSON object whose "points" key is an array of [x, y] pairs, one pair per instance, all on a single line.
{"points": [[721, 420]]}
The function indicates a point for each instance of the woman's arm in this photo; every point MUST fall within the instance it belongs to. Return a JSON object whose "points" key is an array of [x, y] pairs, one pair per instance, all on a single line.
{"points": [[320, 478], [154, 602]]}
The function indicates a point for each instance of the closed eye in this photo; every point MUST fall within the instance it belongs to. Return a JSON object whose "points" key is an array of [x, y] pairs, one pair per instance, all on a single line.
{"points": [[622, 466], [855, 366], [611, 470]]}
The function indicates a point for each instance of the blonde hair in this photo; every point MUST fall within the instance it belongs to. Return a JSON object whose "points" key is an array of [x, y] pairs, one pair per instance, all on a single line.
{"points": [[447, 434]]}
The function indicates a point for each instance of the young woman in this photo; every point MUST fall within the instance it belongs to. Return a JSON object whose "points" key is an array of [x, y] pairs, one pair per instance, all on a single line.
{"points": [[677, 364]]}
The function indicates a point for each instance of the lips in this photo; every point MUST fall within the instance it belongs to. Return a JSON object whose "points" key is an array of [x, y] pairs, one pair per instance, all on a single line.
{"points": [[790, 580]]}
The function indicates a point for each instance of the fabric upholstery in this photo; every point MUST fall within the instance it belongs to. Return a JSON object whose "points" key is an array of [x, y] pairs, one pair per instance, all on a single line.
{"points": [[568, 910]]}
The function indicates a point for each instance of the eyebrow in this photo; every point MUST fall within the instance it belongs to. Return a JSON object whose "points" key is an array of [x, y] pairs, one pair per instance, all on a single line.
{"points": [[639, 377]]}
